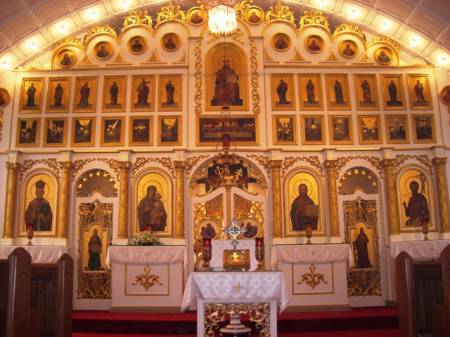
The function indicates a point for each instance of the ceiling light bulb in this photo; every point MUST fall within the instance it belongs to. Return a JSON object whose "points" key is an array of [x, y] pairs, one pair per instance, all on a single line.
{"points": [[6, 64], [354, 13], [93, 14], [125, 3], [33, 45], [320, 3], [442, 60], [385, 26], [62, 28], [414, 41]]}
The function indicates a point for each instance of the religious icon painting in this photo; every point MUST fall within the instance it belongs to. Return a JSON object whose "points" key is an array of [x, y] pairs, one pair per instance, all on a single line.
{"points": [[397, 130], [143, 93], [137, 45], [314, 44], [113, 131], [303, 204], [196, 16], [170, 93], [444, 95], [5, 98], [415, 200], [152, 203], [383, 56], [38, 204], [103, 50], [284, 130], [281, 42], [170, 42], [312, 130], [83, 131], [27, 132], [419, 92], [169, 130], [341, 130], [141, 130], [348, 49], [55, 131], [310, 87], [58, 94], [283, 92], [423, 128], [114, 93], [85, 99], [243, 130], [66, 58], [338, 97], [393, 94], [363, 241], [254, 15], [366, 92], [31, 95], [369, 129]]}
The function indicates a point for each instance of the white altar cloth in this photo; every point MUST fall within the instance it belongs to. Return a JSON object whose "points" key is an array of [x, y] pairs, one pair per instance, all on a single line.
{"points": [[146, 255], [239, 287], [39, 254], [419, 250], [323, 253], [218, 246]]}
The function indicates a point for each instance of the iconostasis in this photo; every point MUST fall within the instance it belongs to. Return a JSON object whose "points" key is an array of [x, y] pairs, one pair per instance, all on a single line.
{"points": [[330, 124]]}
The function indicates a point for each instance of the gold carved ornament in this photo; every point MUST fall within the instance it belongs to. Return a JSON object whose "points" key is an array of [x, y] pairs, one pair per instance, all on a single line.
{"points": [[192, 161], [386, 41], [314, 161], [112, 163], [254, 77], [164, 161], [28, 164], [375, 161], [402, 158], [237, 35], [171, 12], [147, 280], [198, 96], [137, 17], [315, 18], [262, 160], [69, 41], [313, 278], [349, 28], [99, 30], [280, 12]]}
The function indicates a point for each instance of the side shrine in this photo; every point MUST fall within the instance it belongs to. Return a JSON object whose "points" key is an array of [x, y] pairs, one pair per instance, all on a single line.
{"points": [[301, 146]]}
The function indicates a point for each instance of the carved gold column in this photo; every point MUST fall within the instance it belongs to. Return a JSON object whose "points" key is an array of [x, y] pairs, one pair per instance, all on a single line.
{"points": [[439, 165], [63, 199], [275, 166], [124, 174], [332, 196], [179, 198], [11, 191], [393, 215]]}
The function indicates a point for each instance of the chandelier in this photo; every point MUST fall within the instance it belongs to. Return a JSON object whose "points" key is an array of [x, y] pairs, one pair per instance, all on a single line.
{"points": [[222, 19]]}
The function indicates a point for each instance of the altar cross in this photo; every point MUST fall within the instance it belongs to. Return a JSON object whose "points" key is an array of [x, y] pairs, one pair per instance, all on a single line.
{"points": [[234, 231]]}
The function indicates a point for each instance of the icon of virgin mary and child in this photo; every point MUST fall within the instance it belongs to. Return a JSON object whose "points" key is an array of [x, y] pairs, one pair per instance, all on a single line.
{"points": [[151, 212]]}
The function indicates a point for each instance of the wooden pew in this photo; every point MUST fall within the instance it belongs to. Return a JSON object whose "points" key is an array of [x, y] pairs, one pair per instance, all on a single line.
{"points": [[441, 313], [15, 280]]}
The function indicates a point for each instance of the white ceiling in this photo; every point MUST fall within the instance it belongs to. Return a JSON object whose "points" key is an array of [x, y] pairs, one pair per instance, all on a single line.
{"points": [[429, 20]]}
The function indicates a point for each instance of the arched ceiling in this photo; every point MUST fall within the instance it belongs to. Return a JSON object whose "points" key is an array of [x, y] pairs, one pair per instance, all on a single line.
{"points": [[27, 27]]}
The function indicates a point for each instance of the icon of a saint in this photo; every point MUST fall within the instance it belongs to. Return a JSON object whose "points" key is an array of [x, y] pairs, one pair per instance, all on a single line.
{"points": [[367, 94], [94, 251], [303, 210], [392, 89], [170, 90], [361, 250], [137, 46], [384, 58], [310, 92], [39, 214], [420, 97], [416, 209], [208, 232], [58, 95], [338, 92], [84, 95], [226, 86], [143, 91], [314, 46], [151, 211], [114, 93], [31, 96], [348, 50], [282, 89], [102, 52], [66, 60]]}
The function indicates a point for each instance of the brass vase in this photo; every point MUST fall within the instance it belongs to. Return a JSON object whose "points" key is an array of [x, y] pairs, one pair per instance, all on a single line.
{"points": [[206, 251], [425, 230], [30, 234], [259, 253]]}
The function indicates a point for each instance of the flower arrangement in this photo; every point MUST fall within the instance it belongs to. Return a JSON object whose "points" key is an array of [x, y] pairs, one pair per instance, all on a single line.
{"points": [[145, 238]]}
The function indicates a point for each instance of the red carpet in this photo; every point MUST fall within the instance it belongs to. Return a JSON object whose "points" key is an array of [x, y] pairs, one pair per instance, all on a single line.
{"points": [[361, 322]]}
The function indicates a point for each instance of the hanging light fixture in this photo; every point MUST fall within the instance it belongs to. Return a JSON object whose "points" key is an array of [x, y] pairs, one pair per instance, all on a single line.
{"points": [[222, 19]]}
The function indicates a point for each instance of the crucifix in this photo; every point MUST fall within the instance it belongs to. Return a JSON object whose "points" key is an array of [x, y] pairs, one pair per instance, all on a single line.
{"points": [[234, 231]]}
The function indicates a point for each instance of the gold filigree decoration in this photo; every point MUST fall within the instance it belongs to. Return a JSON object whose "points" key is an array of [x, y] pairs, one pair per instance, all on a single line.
{"points": [[349, 28], [254, 77], [137, 17], [249, 210], [280, 12], [258, 313], [242, 7], [417, 61], [363, 281], [192, 161], [375, 161], [385, 40], [28, 164], [99, 30], [147, 280], [314, 17], [401, 159], [80, 163], [70, 41], [198, 98], [262, 160], [164, 161], [237, 35], [313, 278], [314, 161], [171, 12]]}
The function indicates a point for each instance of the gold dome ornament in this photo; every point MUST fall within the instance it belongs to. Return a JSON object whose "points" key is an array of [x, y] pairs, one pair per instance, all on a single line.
{"points": [[170, 12], [314, 17], [136, 18], [280, 12]]}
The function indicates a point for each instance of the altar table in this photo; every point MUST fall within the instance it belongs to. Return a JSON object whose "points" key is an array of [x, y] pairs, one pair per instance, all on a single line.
{"points": [[39, 254], [419, 250], [146, 276], [257, 291], [316, 274]]}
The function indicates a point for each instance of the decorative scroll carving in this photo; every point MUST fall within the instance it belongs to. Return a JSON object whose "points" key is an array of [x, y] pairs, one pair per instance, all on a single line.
{"points": [[254, 77], [421, 158], [314, 17], [375, 161], [70, 41], [112, 163], [312, 160], [28, 164], [258, 313], [99, 30], [313, 278], [147, 280], [164, 161], [237, 35], [137, 17], [349, 28], [171, 12], [280, 12], [249, 210], [262, 160], [192, 161], [385, 40], [198, 98]]}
